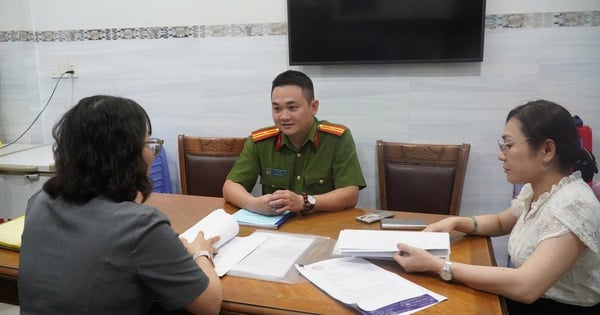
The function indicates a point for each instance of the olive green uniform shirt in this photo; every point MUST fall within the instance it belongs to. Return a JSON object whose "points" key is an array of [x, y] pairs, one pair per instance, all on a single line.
{"points": [[323, 163]]}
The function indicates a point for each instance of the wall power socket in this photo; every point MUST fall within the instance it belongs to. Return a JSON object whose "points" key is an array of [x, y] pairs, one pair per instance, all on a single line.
{"points": [[62, 65]]}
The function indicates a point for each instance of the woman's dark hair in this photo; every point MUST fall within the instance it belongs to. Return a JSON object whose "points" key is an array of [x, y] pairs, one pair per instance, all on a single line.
{"points": [[98, 151], [543, 120], [297, 78]]}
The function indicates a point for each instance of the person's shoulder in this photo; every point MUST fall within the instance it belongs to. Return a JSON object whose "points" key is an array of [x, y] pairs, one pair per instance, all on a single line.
{"points": [[575, 186], [265, 133], [577, 195], [128, 214], [331, 128]]}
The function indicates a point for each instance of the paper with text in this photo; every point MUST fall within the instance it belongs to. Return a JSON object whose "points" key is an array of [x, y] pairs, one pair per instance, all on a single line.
{"points": [[234, 251], [274, 257], [355, 281]]}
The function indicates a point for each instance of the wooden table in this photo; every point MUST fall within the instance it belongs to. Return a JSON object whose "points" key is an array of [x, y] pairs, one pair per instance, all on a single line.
{"points": [[245, 295]]}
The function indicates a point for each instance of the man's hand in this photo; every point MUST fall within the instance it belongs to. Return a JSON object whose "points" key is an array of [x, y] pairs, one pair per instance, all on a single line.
{"points": [[286, 200], [277, 203]]}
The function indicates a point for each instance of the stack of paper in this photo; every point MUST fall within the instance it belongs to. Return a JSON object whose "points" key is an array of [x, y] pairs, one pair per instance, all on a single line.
{"points": [[249, 218], [215, 223], [232, 249], [367, 287], [275, 257], [382, 244], [262, 255], [10, 233]]}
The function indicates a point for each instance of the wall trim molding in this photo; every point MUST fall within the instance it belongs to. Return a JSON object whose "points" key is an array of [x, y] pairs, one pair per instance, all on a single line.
{"points": [[492, 22]]}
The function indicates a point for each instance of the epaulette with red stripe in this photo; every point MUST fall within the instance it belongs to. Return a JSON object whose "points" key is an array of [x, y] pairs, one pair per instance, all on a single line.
{"points": [[265, 133], [337, 130]]}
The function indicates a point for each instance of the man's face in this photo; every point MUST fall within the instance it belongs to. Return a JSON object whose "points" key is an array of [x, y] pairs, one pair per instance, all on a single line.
{"points": [[292, 113]]}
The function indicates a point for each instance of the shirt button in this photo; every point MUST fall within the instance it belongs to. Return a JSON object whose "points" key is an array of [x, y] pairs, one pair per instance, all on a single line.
{"points": [[320, 181], [272, 186], [298, 178], [299, 155]]}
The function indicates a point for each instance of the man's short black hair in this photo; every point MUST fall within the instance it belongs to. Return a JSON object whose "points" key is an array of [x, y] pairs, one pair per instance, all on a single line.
{"points": [[297, 78]]}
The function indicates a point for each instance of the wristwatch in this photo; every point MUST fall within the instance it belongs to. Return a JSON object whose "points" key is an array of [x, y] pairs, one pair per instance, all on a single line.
{"points": [[204, 253], [446, 272], [309, 204]]}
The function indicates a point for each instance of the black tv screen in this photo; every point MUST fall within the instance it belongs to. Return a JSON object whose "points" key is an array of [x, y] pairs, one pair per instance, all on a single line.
{"points": [[385, 31]]}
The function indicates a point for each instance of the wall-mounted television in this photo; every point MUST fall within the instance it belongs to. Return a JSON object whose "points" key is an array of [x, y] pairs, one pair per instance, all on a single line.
{"points": [[385, 31]]}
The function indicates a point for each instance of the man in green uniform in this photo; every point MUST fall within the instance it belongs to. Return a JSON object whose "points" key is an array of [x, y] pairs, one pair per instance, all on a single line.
{"points": [[304, 164]]}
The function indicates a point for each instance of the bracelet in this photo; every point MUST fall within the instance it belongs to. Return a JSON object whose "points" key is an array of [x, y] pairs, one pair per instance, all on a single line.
{"points": [[474, 230], [308, 206], [204, 253]]}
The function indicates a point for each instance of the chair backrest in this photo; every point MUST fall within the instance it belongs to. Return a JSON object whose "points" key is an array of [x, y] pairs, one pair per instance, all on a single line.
{"points": [[159, 172], [421, 177], [204, 163]]}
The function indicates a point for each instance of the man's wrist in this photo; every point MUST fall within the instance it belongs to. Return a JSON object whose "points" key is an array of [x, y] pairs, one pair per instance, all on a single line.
{"points": [[308, 205]]}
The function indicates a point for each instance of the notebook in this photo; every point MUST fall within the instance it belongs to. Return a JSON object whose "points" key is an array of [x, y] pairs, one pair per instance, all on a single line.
{"points": [[249, 218], [10, 233]]}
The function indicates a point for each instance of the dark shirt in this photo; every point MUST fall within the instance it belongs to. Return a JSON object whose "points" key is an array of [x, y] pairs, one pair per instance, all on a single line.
{"points": [[102, 258]]}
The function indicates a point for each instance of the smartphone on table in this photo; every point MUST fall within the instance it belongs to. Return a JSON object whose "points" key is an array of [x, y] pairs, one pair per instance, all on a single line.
{"points": [[374, 216]]}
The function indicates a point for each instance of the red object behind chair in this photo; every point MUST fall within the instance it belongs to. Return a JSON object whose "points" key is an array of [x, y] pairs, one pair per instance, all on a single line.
{"points": [[585, 133]]}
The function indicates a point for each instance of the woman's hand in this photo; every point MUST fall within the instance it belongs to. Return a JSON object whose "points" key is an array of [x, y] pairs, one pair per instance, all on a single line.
{"points": [[200, 244], [414, 259], [444, 225]]}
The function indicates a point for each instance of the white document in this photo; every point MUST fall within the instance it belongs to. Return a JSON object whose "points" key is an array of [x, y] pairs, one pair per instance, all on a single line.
{"points": [[232, 249], [274, 258], [382, 244], [359, 283], [216, 223]]}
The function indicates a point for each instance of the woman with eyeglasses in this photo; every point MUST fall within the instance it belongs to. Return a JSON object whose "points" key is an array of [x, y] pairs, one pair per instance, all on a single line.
{"points": [[554, 223], [89, 245]]}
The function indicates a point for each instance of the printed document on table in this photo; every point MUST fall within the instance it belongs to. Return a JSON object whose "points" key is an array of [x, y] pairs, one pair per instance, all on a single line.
{"points": [[274, 257], [234, 251], [360, 283]]}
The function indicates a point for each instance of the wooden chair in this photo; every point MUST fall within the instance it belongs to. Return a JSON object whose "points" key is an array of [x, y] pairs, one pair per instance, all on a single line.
{"points": [[421, 177], [205, 162]]}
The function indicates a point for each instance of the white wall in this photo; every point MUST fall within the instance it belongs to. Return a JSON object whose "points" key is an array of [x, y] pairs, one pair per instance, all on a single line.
{"points": [[88, 14], [19, 89], [15, 15]]}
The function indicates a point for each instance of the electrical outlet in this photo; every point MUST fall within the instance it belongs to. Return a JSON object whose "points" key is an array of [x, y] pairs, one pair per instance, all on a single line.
{"points": [[62, 65]]}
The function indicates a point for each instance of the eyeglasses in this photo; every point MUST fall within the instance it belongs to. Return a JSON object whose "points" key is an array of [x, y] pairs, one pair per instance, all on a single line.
{"points": [[507, 145], [155, 145]]}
